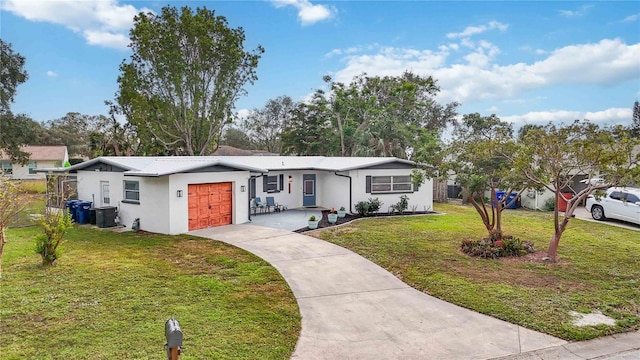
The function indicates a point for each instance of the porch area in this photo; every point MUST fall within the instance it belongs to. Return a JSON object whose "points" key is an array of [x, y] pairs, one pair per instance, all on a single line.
{"points": [[290, 219]]}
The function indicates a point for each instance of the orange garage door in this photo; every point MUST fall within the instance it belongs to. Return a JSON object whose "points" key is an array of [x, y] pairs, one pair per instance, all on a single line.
{"points": [[209, 205]]}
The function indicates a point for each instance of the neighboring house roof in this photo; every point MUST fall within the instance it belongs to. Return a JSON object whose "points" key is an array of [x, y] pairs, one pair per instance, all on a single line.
{"points": [[160, 166], [42, 153]]}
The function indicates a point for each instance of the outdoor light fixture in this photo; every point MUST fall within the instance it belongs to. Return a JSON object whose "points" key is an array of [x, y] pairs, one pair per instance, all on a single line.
{"points": [[243, 188], [179, 193]]}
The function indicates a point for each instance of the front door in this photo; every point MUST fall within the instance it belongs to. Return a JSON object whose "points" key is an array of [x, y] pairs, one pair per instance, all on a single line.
{"points": [[309, 190]]}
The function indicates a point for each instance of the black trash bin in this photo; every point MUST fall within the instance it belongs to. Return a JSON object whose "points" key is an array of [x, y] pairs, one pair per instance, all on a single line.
{"points": [[106, 216], [92, 216]]}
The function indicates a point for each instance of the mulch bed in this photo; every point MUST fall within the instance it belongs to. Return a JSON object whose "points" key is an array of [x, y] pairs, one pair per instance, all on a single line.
{"points": [[324, 222]]}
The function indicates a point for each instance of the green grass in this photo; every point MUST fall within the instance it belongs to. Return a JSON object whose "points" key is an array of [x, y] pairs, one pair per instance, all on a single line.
{"points": [[109, 295], [599, 267], [33, 186]]}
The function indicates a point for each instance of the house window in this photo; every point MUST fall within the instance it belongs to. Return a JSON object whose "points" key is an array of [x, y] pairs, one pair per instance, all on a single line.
{"points": [[132, 191], [104, 193], [272, 183], [32, 167], [385, 184], [58, 164], [6, 168]]}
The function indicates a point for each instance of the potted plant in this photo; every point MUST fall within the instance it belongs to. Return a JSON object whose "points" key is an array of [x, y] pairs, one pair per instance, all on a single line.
{"points": [[313, 222], [342, 212], [332, 216]]}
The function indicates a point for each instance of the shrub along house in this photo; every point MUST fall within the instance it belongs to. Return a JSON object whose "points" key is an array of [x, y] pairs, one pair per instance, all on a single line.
{"points": [[173, 195]]}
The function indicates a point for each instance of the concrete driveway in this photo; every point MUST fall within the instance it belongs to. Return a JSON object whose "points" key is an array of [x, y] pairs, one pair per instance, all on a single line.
{"points": [[582, 214], [353, 309]]}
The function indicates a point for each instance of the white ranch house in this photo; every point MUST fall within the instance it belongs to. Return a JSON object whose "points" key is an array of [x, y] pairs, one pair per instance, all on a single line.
{"points": [[173, 195]]}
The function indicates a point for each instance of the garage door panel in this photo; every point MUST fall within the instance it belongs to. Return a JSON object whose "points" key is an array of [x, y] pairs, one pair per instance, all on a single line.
{"points": [[210, 205]]}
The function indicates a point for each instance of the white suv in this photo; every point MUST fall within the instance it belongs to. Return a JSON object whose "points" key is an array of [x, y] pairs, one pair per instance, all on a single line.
{"points": [[622, 203]]}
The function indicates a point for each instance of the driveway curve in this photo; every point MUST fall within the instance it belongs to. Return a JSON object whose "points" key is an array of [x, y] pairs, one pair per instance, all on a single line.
{"points": [[353, 309]]}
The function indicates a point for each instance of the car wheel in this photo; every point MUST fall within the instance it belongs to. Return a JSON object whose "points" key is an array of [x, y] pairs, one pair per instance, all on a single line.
{"points": [[597, 212]]}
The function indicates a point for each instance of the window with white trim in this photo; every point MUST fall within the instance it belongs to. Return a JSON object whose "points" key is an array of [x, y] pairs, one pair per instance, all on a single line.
{"points": [[385, 184], [6, 168], [32, 167], [131, 191]]}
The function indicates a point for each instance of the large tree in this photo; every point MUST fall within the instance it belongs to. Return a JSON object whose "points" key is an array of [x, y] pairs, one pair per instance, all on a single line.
{"points": [[17, 131], [73, 130], [478, 156], [555, 157], [309, 130], [187, 70], [264, 126], [12, 74], [386, 116]]}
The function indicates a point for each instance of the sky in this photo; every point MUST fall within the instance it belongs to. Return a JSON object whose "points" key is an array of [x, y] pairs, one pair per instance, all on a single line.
{"points": [[527, 62]]}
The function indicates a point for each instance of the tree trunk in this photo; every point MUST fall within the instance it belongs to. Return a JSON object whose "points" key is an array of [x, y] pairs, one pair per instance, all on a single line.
{"points": [[552, 252]]}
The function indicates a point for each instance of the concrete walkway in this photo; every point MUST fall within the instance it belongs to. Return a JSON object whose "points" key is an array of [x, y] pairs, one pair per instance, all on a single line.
{"points": [[353, 309]]}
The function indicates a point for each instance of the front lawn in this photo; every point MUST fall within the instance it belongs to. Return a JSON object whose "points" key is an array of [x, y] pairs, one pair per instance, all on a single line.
{"points": [[110, 294], [599, 267]]}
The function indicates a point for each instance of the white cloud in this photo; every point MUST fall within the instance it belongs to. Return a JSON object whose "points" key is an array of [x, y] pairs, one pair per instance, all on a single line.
{"points": [[243, 114], [51, 74], [474, 30], [631, 18], [308, 13], [576, 13], [103, 23], [611, 116], [603, 63]]}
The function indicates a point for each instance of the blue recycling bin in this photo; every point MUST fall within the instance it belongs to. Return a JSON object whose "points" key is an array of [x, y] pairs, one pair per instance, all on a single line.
{"points": [[500, 195], [71, 206], [82, 211]]}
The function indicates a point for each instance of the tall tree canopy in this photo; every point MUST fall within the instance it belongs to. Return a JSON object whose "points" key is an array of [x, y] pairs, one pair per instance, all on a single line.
{"points": [[180, 86], [12, 74], [375, 116], [14, 130], [264, 126], [554, 157]]}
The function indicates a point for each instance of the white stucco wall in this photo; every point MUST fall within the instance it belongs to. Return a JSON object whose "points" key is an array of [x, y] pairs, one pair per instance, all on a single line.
{"points": [[537, 201], [422, 199], [153, 209], [160, 209], [89, 187], [332, 191], [21, 172]]}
